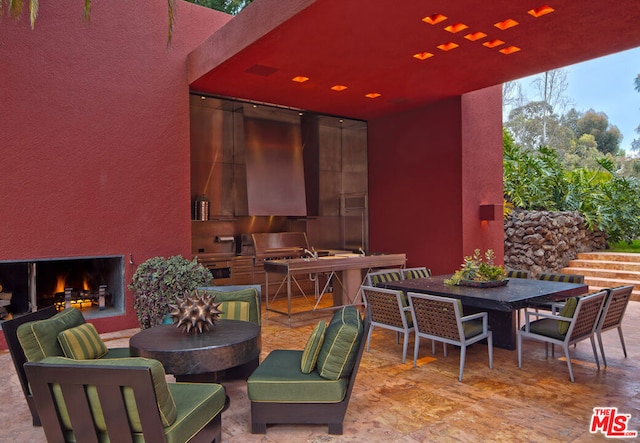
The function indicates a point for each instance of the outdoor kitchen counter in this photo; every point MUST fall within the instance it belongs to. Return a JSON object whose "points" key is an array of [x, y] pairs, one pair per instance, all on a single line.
{"points": [[345, 268]]}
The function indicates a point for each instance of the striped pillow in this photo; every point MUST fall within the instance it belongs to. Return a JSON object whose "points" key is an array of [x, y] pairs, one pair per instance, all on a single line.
{"points": [[235, 310], [312, 348], [82, 343]]}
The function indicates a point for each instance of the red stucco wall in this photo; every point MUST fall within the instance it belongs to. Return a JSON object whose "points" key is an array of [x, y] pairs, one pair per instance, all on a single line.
{"points": [[94, 133], [419, 163]]}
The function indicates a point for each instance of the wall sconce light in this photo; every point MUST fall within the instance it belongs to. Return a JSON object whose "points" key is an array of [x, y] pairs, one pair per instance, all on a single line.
{"points": [[490, 212]]}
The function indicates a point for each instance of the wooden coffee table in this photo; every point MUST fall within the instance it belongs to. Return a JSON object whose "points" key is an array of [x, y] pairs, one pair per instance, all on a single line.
{"points": [[200, 357]]}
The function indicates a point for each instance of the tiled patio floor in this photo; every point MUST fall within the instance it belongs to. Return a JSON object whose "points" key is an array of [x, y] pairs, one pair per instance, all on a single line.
{"points": [[396, 402]]}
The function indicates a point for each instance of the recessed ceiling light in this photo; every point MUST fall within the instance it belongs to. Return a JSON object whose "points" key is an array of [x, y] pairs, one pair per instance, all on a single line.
{"points": [[338, 88], [423, 55], [542, 10], [434, 19], [300, 79], [202, 97], [448, 46], [475, 36], [493, 43], [509, 50], [456, 28], [506, 24], [372, 95]]}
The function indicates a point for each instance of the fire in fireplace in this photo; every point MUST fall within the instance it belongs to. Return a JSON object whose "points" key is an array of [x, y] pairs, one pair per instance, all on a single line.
{"points": [[88, 283]]}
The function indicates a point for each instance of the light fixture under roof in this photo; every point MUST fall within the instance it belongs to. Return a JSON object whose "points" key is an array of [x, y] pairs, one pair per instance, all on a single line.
{"points": [[456, 27], [509, 50], [448, 46], [338, 88], [542, 10], [423, 55], [372, 95], [493, 43], [475, 36], [300, 79], [506, 24], [434, 19]]}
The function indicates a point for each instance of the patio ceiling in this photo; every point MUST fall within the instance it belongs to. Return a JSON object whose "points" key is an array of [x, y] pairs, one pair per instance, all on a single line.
{"points": [[369, 59]]}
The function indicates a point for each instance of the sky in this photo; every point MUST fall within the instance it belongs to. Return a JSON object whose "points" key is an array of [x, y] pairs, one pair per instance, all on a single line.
{"points": [[606, 84]]}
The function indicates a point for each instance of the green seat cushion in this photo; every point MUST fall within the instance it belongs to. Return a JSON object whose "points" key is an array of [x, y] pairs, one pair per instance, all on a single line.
{"points": [[279, 379], [249, 295], [312, 348], [166, 403], [197, 405], [547, 327], [39, 339], [472, 328], [82, 342], [567, 311], [340, 345], [235, 310], [117, 353]]}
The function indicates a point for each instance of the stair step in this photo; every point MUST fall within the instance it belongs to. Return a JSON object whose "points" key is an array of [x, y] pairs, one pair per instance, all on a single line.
{"points": [[618, 274], [605, 264], [609, 256]]}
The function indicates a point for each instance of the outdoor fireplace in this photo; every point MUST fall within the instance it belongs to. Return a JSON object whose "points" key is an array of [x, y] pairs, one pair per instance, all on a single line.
{"points": [[93, 284]]}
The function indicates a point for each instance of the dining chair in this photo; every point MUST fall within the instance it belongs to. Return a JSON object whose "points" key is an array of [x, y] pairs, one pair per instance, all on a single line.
{"points": [[576, 322], [383, 276], [389, 309], [419, 272], [440, 319], [564, 278], [612, 315], [517, 273]]}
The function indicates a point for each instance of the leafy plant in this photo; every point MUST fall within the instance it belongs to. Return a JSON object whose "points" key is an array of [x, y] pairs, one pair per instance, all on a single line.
{"points": [[476, 268], [159, 282]]}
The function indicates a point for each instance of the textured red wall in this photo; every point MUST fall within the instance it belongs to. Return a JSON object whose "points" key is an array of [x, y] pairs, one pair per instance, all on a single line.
{"points": [[428, 170], [94, 133]]}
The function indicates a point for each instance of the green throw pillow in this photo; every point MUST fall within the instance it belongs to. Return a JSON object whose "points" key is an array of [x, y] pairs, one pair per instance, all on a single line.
{"points": [[312, 348], [39, 339], [249, 295], [82, 342], [567, 311], [235, 310], [166, 404], [340, 345]]}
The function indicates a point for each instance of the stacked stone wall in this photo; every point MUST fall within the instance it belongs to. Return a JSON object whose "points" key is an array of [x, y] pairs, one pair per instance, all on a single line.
{"points": [[544, 241]]}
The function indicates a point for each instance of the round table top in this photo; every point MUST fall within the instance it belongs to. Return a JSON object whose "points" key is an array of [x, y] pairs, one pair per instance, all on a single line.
{"points": [[227, 344]]}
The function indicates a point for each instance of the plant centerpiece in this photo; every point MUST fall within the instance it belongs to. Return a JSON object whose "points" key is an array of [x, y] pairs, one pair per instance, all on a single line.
{"points": [[159, 282], [479, 272]]}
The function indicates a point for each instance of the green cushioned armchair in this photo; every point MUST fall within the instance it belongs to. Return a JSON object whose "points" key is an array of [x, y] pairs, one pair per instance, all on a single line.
{"points": [[122, 400], [281, 392]]}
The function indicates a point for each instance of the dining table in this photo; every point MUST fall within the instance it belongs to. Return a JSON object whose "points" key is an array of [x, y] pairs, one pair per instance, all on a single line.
{"points": [[502, 303]]}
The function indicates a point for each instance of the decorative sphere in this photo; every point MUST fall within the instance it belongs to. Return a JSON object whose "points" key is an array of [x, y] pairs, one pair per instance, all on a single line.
{"points": [[196, 312]]}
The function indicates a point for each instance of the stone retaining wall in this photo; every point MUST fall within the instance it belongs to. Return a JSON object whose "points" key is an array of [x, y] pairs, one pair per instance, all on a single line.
{"points": [[544, 241]]}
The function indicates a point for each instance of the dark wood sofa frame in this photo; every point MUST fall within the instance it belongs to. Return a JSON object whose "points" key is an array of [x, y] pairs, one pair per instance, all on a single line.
{"points": [[109, 382], [10, 328], [263, 413]]}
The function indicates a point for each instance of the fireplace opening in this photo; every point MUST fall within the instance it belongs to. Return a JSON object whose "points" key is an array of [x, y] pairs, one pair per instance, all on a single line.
{"points": [[93, 284]]}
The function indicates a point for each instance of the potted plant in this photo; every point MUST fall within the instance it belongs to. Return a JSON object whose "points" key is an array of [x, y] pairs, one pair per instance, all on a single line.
{"points": [[159, 282], [479, 272]]}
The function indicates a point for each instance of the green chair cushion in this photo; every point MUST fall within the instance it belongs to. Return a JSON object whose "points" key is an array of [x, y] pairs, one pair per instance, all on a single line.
{"points": [[197, 405], [312, 348], [567, 311], [278, 379], [472, 328], [166, 403], [235, 310], [547, 327], [117, 353], [39, 339], [416, 273], [82, 342], [340, 345], [386, 277], [249, 295]]}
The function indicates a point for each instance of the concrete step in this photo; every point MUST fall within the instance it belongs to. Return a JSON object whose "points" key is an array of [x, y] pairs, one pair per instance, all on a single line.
{"points": [[603, 270], [609, 256]]}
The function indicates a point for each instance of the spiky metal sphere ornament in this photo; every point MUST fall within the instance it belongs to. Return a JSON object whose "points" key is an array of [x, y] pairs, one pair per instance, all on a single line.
{"points": [[196, 312]]}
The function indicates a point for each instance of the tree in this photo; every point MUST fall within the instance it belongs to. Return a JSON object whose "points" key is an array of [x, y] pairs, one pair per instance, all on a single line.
{"points": [[551, 86], [607, 136], [635, 144]]}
